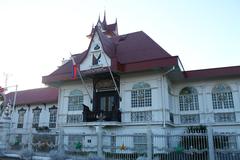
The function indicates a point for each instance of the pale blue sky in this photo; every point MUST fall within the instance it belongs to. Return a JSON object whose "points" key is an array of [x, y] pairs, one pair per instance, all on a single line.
{"points": [[36, 34]]}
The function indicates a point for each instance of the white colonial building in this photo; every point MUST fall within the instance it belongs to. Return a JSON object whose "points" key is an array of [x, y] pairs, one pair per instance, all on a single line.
{"points": [[128, 84]]}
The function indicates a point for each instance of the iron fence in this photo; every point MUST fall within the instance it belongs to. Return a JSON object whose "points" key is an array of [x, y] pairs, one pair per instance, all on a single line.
{"points": [[207, 145]]}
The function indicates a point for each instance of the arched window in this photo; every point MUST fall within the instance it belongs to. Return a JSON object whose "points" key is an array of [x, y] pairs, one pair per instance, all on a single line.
{"points": [[188, 99], [75, 100], [222, 97], [141, 95]]}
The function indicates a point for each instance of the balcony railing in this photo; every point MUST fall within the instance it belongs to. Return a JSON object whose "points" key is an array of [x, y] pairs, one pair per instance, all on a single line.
{"points": [[91, 116]]}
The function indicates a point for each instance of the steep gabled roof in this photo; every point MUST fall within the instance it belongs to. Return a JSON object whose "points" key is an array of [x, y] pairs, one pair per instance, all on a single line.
{"points": [[137, 47], [34, 96], [133, 52], [107, 43]]}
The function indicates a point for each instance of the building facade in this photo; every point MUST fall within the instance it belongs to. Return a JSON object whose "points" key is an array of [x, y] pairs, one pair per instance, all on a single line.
{"points": [[128, 84]]}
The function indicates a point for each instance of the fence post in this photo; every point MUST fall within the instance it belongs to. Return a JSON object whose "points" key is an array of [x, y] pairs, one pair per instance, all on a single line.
{"points": [[30, 140], [149, 144], [99, 141], [211, 152], [61, 142]]}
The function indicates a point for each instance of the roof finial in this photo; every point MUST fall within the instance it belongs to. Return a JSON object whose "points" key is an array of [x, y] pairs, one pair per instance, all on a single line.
{"points": [[116, 21], [104, 18], [99, 17], [104, 13]]}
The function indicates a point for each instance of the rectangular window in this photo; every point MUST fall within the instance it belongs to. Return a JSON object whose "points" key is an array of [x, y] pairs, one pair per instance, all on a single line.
{"points": [[20, 119], [74, 118], [190, 119], [52, 118], [224, 117], [36, 116], [75, 103], [141, 98], [143, 116], [140, 142], [222, 100], [188, 102]]}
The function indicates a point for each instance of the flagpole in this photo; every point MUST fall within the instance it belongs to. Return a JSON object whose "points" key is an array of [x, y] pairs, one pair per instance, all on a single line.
{"points": [[84, 84], [114, 82]]}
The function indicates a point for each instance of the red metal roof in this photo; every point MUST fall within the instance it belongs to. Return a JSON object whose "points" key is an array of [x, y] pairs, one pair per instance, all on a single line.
{"points": [[137, 47], [212, 73], [34, 96], [130, 52]]}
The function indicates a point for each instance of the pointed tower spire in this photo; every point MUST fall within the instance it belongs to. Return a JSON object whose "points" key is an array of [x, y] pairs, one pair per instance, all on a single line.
{"points": [[116, 28], [99, 18], [104, 19]]}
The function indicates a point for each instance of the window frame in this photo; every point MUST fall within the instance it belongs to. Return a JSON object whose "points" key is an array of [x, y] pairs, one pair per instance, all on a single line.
{"points": [[141, 116], [188, 99], [52, 117], [141, 95], [222, 97], [75, 100], [36, 117], [21, 114]]}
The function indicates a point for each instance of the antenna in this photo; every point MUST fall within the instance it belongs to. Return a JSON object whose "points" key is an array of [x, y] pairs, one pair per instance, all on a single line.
{"points": [[6, 75]]}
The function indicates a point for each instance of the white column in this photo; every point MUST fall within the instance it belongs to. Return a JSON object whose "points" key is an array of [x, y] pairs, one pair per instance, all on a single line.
{"points": [[149, 144], [99, 141]]}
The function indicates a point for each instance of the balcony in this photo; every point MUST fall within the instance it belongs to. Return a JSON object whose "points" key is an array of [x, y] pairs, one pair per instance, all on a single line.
{"points": [[92, 116]]}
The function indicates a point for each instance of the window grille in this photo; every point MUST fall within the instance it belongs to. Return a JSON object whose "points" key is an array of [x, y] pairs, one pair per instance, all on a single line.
{"points": [[143, 116], [225, 141], [21, 113], [74, 118], [188, 99], [52, 117], [224, 117], [141, 95], [75, 100], [222, 97], [190, 119], [36, 117]]}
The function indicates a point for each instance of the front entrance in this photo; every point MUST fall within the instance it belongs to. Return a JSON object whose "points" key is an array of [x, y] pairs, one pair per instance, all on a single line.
{"points": [[106, 101]]}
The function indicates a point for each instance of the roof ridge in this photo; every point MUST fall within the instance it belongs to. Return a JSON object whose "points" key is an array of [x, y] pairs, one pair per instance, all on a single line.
{"points": [[212, 68], [32, 89], [129, 33]]}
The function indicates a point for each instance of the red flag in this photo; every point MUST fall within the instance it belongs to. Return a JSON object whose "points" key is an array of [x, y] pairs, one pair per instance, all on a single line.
{"points": [[74, 76]]}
